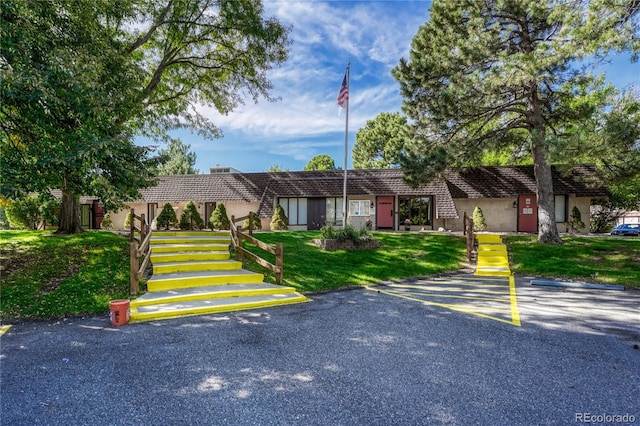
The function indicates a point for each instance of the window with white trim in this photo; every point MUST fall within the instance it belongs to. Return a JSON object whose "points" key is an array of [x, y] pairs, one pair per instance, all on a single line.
{"points": [[360, 208]]}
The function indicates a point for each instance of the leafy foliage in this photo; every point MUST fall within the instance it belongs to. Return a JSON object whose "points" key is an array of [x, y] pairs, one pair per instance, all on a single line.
{"points": [[494, 75], [321, 162], [80, 79], [190, 218], [380, 141], [279, 220], [30, 211], [167, 217], [219, 218]]}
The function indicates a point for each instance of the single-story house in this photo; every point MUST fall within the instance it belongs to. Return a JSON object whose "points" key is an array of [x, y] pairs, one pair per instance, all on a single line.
{"points": [[379, 197]]}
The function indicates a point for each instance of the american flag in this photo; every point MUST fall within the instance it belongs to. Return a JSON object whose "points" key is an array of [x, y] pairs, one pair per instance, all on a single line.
{"points": [[343, 94]]}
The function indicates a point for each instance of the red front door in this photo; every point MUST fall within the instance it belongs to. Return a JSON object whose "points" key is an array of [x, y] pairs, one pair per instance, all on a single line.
{"points": [[527, 213], [384, 213]]}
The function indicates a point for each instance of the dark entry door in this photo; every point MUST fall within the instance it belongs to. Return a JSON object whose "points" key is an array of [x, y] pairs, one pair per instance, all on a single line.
{"points": [[384, 213], [316, 211], [527, 213]]}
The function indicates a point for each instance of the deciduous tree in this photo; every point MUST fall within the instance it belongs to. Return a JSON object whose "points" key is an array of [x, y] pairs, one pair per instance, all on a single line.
{"points": [[81, 78], [321, 162]]}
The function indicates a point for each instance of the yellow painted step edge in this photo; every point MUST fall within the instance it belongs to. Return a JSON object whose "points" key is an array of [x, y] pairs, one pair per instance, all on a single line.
{"points": [[173, 283], [204, 296], [137, 317]]}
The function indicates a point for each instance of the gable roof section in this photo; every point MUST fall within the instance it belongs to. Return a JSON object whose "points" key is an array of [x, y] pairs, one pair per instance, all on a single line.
{"points": [[247, 187], [507, 182]]}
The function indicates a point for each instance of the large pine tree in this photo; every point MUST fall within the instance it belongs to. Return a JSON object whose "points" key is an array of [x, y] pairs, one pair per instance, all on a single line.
{"points": [[485, 75]]}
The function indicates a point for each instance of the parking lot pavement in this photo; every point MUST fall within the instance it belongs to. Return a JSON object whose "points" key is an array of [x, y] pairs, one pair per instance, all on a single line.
{"points": [[349, 357]]}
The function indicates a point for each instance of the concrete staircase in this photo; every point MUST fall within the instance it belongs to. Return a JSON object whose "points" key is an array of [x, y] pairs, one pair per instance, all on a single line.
{"points": [[493, 259], [194, 275]]}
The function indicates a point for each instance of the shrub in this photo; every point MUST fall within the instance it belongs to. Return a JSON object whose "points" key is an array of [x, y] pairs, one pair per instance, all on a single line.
{"points": [[167, 217], [257, 223], [479, 223], [219, 218], [279, 220], [106, 223], [575, 220], [328, 232], [190, 218], [23, 213]]}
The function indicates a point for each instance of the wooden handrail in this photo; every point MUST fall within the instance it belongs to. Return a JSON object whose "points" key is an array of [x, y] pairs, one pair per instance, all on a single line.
{"points": [[138, 250], [468, 231], [237, 236]]}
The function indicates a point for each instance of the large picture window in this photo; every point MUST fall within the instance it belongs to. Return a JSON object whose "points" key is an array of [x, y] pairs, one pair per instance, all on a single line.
{"points": [[419, 210], [334, 211], [295, 209], [359, 208]]}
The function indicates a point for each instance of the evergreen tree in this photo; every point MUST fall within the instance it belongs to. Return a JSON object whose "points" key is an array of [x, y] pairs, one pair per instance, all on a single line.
{"points": [[279, 219], [167, 217], [380, 141], [177, 160], [479, 224], [190, 218], [219, 218], [575, 220], [485, 75]]}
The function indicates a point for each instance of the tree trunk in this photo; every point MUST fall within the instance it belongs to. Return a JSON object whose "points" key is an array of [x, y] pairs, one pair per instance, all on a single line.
{"points": [[69, 214], [547, 227]]}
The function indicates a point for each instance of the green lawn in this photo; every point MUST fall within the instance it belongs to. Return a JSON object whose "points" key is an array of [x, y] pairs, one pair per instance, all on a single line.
{"points": [[401, 255], [46, 276], [598, 260], [51, 276]]}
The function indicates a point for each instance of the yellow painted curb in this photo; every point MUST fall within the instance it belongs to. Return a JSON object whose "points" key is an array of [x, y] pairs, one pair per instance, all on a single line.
{"points": [[4, 329]]}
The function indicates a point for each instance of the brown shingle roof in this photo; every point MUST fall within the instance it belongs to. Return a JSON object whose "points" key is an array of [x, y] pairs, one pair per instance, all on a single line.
{"points": [[481, 182], [506, 182]]}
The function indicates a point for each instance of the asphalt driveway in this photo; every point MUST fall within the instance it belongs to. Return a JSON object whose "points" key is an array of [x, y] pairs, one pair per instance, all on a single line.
{"points": [[357, 357]]}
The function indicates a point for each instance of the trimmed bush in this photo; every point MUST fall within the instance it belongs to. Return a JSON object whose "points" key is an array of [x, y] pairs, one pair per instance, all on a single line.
{"points": [[479, 223], [190, 218], [219, 218], [575, 220], [279, 220], [257, 223], [106, 223], [167, 217]]}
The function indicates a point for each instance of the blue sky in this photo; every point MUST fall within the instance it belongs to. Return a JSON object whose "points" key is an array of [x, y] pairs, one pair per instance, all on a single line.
{"points": [[372, 36]]}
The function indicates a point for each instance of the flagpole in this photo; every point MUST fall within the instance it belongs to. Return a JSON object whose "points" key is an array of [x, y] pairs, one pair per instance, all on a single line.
{"points": [[346, 155]]}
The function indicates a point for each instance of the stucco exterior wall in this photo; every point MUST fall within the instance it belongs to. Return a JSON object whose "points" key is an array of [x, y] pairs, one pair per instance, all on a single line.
{"points": [[499, 214]]}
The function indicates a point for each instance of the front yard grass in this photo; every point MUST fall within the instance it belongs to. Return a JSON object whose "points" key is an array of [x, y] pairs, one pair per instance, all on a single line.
{"points": [[47, 276], [607, 260], [401, 255]]}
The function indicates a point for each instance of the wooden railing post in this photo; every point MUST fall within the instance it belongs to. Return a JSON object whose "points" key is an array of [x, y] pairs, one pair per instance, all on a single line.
{"points": [[279, 262], [132, 224], [133, 277], [143, 227]]}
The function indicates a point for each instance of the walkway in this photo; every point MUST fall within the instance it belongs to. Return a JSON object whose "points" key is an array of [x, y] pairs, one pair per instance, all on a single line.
{"points": [[488, 293]]}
